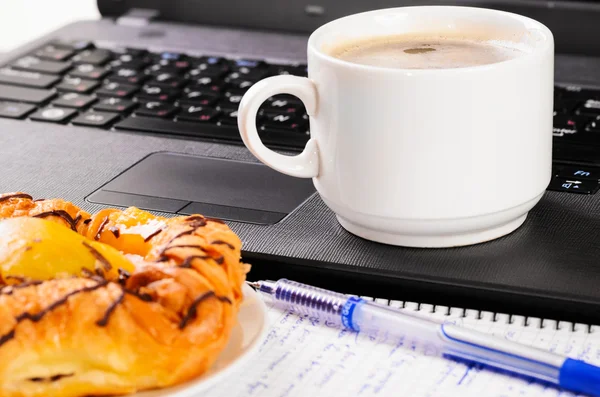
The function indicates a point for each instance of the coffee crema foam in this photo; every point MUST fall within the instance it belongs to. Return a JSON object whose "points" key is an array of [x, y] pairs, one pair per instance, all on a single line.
{"points": [[427, 52]]}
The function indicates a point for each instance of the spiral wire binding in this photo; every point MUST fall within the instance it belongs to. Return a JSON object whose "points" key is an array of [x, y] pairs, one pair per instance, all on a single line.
{"points": [[495, 317]]}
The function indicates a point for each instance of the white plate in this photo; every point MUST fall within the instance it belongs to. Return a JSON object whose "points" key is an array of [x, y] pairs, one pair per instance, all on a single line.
{"points": [[246, 336]]}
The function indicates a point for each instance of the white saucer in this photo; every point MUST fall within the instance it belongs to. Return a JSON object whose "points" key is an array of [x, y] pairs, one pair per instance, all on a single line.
{"points": [[246, 337]]}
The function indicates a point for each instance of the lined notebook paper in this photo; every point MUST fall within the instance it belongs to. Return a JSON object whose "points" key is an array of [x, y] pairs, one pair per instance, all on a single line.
{"points": [[304, 357]]}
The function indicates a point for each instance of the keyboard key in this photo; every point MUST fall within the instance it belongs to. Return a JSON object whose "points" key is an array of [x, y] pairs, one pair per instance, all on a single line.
{"points": [[206, 130], [168, 80], [579, 173], [134, 52], [23, 94], [77, 45], [97, 56], [129, 76], [119, 90], [171, 56], [207, 60], [198, 114], [564, 151], [27, 79], [284, 122], [115, 105], [33, 64], [299, 70], [156, 93], [247, 63], [566, 105], [76, 84], [231, 102], [54, 115], [248, 74], [573, 185], [54, 53], [199, 98], [95, 119], [131, 60], [73, 100], [14, 110], [174, 67], [87, 71], [206, 70], [229, 117], [240, 85], [283, 105], [576, 92], [209, 84], [568, 125], [156, 109], [590, 107]]}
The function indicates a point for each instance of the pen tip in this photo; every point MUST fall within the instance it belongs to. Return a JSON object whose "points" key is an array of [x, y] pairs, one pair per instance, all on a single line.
{"points": [[254, 284]]}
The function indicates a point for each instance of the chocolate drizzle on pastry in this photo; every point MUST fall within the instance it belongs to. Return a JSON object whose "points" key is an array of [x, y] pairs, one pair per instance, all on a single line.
{"points": [[156, 233], [215, 220], [39, 315], [103, 261], [101, 228], [16, 195], [77, 219], [221, 242], [142, 297], [52, 378], [115, 231], [193, 309], [104, 320], [59, 213], [187, 263], [9, 289], [87, 221]]}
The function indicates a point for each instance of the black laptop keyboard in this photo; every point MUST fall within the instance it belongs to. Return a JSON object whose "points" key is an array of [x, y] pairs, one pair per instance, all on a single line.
{"points": [[136, 90], [174, 94]]}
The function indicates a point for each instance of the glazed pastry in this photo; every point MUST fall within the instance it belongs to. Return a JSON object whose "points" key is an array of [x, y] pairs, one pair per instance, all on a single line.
{"points": [[123, 301]]}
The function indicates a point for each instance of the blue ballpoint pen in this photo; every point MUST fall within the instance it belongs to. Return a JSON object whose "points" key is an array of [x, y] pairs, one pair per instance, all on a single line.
{"points": [[447, 340]]}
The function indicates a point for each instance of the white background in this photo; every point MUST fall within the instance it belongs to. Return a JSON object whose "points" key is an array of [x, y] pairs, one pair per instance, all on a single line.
{"points": [[24, 20]]}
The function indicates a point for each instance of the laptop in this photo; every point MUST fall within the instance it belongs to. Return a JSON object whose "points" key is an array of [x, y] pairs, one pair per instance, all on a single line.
{"points": [[139, 109]]}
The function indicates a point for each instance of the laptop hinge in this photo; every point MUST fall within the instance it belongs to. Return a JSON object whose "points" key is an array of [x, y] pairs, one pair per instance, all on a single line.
{"points": [[137, 17]]}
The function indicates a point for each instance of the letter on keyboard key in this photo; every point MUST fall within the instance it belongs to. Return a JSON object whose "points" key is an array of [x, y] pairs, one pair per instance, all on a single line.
{"points": [[22, 94], [27, 79]]}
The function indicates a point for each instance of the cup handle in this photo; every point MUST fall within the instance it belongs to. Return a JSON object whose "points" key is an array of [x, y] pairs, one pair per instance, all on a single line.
{"points": [[304, 165]]}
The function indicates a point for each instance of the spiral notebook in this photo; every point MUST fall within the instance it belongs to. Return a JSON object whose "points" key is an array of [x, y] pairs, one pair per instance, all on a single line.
{"points": [[304, 357]]}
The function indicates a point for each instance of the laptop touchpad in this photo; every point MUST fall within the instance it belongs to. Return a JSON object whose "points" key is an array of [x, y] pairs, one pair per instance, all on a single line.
{"points": [[226, 189]]}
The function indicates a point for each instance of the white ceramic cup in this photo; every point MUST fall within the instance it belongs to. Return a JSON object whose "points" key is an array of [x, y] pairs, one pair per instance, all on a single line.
{"points": [[427, 157]]}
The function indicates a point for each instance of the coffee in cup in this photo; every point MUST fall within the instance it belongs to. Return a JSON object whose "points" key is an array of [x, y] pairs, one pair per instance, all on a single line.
{"points": [[424, 52]]}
